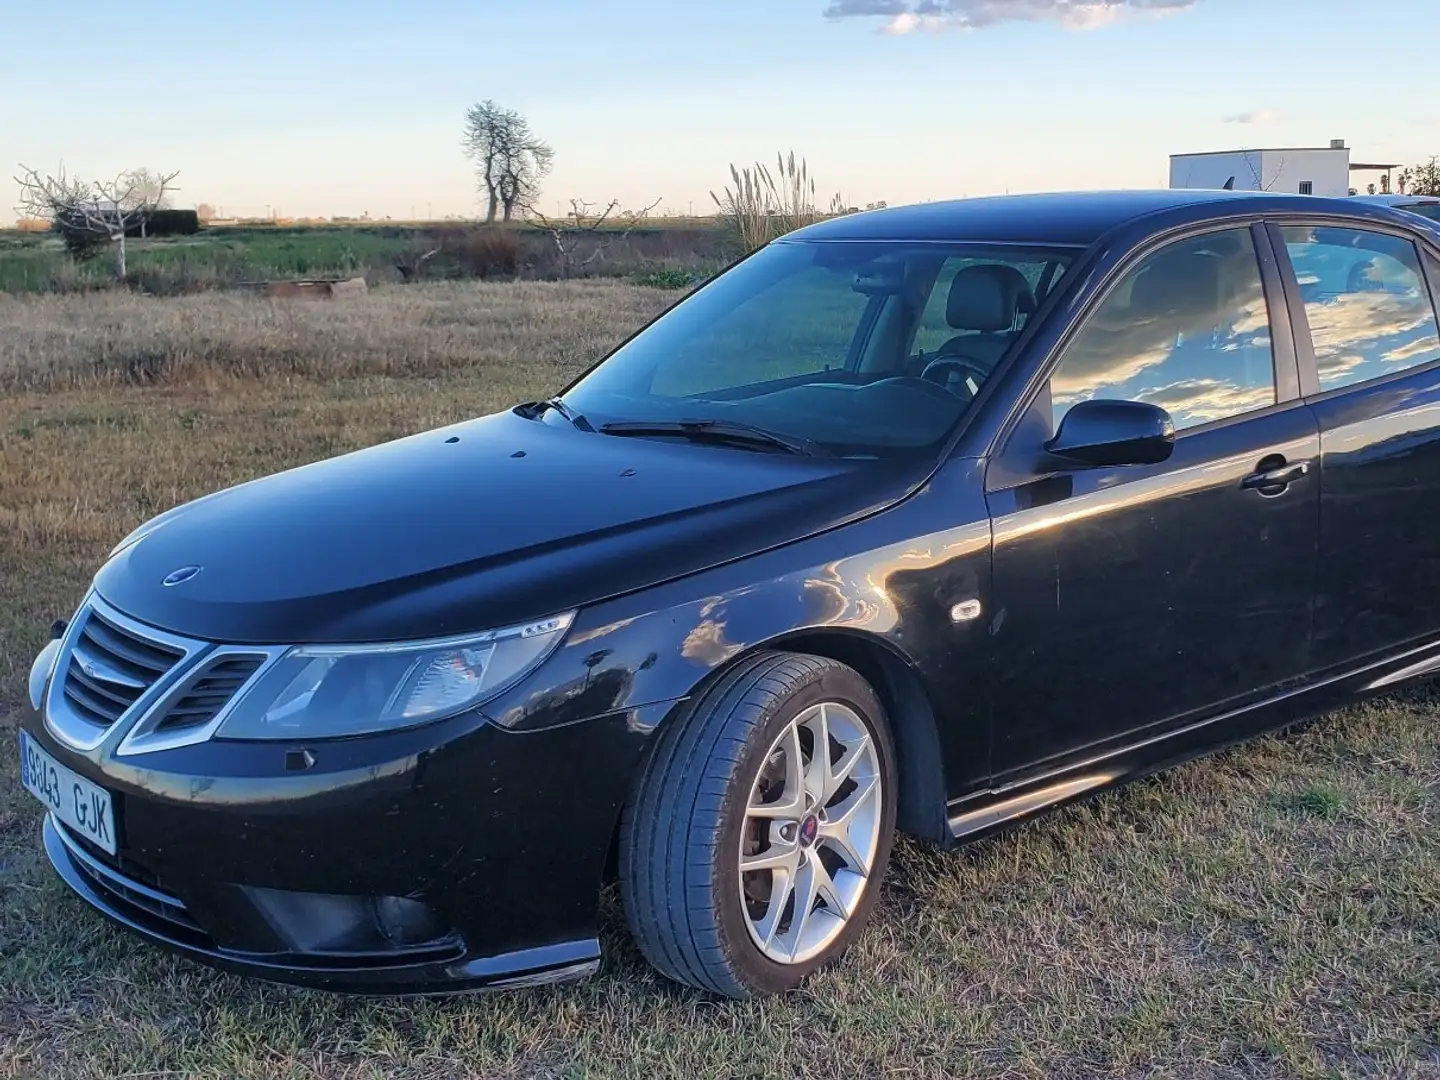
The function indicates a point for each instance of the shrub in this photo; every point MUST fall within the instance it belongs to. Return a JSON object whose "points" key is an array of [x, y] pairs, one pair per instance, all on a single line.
{"points": [[168, 223], [491, 251], [666, 278], [764, 205], [81, 242]]}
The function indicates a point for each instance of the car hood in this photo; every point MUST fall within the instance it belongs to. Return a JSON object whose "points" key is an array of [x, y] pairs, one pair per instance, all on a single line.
{"points": [[478, 525]]}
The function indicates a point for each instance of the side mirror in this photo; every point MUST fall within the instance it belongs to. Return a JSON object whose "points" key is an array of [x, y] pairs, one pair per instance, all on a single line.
{"points": [[1101, 432]]}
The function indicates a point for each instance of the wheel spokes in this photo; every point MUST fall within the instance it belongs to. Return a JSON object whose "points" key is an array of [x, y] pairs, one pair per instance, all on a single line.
{"points": [[781, 884], [819, 911], [824, 756], [817, 773], [791, 802], [855, 753], [778, 855]]}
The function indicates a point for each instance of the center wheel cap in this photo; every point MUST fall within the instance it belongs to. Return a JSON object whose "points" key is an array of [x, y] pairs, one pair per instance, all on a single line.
{"points": [[809, 829]]}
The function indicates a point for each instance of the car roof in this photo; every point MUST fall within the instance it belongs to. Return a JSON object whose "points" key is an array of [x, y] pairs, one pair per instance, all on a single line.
{"points": [[1395, 199], [1071, 217]]}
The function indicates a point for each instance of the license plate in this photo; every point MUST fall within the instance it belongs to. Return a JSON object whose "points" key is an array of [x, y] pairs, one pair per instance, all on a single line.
{"points": [[83, 806]]}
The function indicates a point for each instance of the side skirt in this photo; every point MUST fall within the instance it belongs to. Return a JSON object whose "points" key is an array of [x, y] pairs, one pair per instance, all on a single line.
{"points": [[992, 811]]}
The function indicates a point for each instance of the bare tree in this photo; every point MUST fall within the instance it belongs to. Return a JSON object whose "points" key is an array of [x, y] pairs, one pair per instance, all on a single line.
{"points": [[1261, 184], [585, 223], [510, 160], [149, 191], [91, 214]]}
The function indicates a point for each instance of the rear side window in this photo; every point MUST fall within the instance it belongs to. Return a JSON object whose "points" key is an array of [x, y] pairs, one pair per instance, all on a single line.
{"points": [[1188, 329], [1366, 300]]}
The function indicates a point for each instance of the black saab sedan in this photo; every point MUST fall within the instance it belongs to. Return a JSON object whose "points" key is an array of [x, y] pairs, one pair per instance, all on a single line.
{"points": [[925, 519]]}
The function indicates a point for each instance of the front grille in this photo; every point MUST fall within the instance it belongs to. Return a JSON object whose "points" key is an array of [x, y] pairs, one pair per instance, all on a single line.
{"points": [[169, 690], [111, 667], [209, 693]]}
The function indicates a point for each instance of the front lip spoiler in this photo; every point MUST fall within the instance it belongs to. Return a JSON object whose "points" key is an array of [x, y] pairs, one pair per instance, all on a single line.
{"points": [[559, 962]]}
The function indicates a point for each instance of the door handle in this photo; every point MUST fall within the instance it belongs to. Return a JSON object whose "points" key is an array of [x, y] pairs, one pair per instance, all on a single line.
{"points": [[1274, 480]]}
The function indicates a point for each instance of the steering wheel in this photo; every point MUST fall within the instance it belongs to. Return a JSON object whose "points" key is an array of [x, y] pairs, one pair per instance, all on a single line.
{"points": [[924, 386], [967, 366]]}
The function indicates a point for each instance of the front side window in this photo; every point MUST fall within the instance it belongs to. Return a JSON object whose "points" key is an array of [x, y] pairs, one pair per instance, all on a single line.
{"points": [[827, 344], [1369, 310], [1187, 329]]}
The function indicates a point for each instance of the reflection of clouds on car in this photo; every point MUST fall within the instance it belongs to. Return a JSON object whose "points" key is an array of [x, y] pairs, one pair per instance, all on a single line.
{"points": [[1367, 306], [1188, 330], [1203, 400], [1361, 328]]}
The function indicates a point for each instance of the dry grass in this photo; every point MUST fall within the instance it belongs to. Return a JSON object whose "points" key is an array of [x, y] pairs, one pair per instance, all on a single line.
{"points": [[1273, 912], [119, 337]]}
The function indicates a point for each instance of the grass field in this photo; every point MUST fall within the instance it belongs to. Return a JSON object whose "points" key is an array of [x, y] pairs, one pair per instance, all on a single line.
{"points": [[223, 256], [1271, 912]]}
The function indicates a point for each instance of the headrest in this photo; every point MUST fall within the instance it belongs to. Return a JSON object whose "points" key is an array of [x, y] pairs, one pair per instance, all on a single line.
{"points": [[1177, 288], [1364, 276], [988, 298]]}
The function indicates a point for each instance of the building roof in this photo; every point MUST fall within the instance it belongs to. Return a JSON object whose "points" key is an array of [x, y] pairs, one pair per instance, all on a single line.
{"points": [[1266, 150]]}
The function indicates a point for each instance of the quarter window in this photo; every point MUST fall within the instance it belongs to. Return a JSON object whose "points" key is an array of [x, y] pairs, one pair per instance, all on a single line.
{"points": [[1188, 329], [1369, 310]]}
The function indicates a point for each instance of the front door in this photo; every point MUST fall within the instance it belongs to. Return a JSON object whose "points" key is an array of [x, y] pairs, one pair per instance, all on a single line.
{"points": [[1130, 600]]}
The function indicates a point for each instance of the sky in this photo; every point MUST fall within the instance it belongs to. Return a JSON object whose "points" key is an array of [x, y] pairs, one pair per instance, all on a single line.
{"points": [[344, 107]]}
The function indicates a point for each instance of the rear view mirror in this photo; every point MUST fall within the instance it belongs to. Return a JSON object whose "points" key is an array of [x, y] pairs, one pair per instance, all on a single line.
{"points": [[1107, 433], [880, 279]]}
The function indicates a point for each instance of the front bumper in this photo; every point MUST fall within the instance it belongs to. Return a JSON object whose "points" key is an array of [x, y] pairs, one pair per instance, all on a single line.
{"points": [[162, 920], [498, 840]]}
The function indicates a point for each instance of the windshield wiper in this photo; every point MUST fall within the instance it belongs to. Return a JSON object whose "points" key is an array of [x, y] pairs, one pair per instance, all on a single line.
{"points": [[728, 431], [537, 409]]}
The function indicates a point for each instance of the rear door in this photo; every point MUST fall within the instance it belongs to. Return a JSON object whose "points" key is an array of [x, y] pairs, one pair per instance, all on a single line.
{"points": [[1369, 345], [1132, 600]]}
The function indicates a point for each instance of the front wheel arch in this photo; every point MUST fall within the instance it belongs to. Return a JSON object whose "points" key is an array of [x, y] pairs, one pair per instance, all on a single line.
{"points": [[921, 808], [922, 803]]}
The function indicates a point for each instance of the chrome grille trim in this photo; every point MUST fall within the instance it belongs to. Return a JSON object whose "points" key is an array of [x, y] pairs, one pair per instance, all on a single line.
{"points": [[139, 648], [149, 733], [83, 708], [159, 904]]}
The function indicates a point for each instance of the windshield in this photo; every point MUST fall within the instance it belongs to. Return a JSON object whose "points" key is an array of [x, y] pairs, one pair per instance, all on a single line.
{"points": [[861, 348]]}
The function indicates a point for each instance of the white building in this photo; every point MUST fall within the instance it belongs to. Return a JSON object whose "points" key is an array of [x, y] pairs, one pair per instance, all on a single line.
{"points": [[1298, 170]]}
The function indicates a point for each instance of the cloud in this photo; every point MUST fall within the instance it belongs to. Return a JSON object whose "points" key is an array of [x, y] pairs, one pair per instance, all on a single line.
{"points": [[1255, 116], [909, 16]]}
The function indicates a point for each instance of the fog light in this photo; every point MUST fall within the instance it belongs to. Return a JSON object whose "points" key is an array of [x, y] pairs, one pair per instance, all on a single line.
{"points": [[407, 922], [40, 672], [348, 925]]}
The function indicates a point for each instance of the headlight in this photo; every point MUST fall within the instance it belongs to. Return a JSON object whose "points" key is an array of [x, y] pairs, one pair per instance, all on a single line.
{"points": [[320, 691]]}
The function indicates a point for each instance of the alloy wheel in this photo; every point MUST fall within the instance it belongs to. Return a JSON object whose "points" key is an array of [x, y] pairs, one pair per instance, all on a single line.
{"points": [[811, 833]]}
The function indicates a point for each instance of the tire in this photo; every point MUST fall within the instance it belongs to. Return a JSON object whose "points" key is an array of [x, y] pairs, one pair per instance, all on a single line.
{"points": [[702, 803]]}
